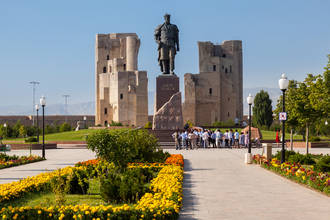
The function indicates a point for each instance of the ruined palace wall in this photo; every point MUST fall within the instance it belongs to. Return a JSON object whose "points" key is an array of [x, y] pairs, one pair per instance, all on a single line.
{"points": [[119, 94], [215, 94]]}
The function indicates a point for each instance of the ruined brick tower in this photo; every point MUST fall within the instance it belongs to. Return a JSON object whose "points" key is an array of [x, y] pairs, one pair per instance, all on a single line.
{"points": [[215, 94], [121, 90]]}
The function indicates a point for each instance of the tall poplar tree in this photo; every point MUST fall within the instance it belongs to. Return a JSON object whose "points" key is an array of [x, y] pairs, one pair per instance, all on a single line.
{"points": [[262, 109]]}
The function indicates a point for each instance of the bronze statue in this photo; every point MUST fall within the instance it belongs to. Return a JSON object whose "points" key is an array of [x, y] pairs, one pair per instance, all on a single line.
{"points": [[167, 38]]}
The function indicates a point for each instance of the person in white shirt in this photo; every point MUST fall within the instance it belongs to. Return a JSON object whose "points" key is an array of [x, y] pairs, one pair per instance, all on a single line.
{"points": [[205, 139], [230, 137], [236, 138], [218, 138], [226, 135]]}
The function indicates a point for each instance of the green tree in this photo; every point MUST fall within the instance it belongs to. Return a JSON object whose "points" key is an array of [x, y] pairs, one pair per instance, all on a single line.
{"points": [[49, 129], [65, 127], [15, 130], [308, 102], [262, 110], [22, 131], [305, 103], [3, 131], [123, 146]]}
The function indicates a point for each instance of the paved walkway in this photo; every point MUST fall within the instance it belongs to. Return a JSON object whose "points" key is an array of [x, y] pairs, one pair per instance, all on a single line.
{"points": [[56, 158], [218, 185]]}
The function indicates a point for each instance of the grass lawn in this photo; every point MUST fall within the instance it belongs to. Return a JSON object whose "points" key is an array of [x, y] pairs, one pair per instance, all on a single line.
{"points": [[46, 199], [268, 135], [63, 136], [81, 135]]}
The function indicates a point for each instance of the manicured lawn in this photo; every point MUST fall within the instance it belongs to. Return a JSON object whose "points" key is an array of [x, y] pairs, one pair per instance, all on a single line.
{"points": [[64, 136], [46, 199], [269, 135], [81, 135]]}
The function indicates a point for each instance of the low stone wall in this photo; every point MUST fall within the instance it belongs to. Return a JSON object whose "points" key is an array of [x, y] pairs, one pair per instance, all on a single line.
{"points": [[111, 127], [34, 146], [67, 142], [301, 144]]}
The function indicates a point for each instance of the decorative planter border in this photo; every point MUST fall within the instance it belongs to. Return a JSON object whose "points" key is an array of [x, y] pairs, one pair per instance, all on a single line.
{"points": [[163, 203]]}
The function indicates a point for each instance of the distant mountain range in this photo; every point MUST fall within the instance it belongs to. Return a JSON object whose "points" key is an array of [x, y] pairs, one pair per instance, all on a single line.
{"points": [[274, 94], [84, 108], [88, 108]]}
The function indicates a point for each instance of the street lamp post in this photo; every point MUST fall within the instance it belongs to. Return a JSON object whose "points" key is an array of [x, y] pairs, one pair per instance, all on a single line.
{"points": [[248, 156], [5, 126], [37, 109], [85, 120], [43, 104], [283, 84]]}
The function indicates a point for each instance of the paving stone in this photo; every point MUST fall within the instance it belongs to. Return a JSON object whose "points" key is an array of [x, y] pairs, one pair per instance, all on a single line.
{"points": [[218, 185]]}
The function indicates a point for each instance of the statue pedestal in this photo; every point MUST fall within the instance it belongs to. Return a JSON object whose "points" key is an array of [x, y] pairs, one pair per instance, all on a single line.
{"points": [[166, 87], [168, 105]]}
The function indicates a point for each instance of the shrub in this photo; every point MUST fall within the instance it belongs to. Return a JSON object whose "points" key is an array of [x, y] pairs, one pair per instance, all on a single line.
{"points": [[128, 186], [60, 189], [275, 127], [302, 159], [114, 123], [75, 182], [31, 139], [148, 125], [78, 182], [31, 131], [264, 127], [5, 157], [65, 127], [314, 139], [15, 130], [288, 153], [49, 129], [323, 164], [22, 131], [123, 146]]}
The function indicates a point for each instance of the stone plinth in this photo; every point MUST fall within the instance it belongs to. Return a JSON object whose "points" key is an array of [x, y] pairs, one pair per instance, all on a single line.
{"points": [[166, 87], [169, 116]]}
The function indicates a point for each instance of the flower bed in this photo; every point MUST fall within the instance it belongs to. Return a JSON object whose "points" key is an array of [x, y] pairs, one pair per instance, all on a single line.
{"points": [[40, 182], [11, 161], [176, 159], [303, 174], [163, 202]]}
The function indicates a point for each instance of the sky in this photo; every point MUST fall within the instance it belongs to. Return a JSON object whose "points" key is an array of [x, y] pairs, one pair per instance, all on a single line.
{"points": [[53, 41]]}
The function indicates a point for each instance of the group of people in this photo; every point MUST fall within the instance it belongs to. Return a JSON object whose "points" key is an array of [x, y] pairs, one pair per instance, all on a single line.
{"points": [[193, 139]]}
